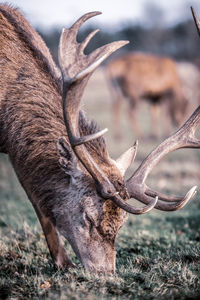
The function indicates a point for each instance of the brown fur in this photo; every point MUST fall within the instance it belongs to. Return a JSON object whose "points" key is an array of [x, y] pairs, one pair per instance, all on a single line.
{"points": [[31, 121], [140, 75]]}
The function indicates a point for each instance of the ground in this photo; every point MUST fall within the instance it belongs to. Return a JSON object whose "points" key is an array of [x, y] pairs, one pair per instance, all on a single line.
{"points": [[158, 254]]}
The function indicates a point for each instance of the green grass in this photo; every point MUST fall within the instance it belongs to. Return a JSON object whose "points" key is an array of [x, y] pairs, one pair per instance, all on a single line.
{"points": [[158, 257], [158, 254]]}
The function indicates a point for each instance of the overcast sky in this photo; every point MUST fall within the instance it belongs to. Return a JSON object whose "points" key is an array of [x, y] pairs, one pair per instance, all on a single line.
{"points": [[47, 13]]}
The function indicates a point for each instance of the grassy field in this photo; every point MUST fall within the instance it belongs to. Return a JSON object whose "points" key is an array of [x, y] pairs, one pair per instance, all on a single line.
{"points": [[158, 254]]}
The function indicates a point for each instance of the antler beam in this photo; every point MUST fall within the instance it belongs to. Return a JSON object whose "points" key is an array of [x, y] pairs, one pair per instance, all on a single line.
{"points": [[76, 68], [183, 138], [196, 20]]}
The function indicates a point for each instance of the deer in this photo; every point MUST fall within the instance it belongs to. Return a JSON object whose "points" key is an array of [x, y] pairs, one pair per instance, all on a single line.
{"points": [[190, 79], [138, 76], [61, 160]]}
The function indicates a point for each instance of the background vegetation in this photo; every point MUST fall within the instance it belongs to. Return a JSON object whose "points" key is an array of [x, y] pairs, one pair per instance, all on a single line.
{"points": [[151, 35]]}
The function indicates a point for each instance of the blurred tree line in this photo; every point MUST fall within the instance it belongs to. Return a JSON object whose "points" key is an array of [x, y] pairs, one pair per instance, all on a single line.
{"points": [[179, 41]]}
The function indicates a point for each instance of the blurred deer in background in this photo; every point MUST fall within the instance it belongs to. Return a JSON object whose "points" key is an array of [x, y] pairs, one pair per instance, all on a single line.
{"points": [[190, 80], [60, 158], [138, 76]]}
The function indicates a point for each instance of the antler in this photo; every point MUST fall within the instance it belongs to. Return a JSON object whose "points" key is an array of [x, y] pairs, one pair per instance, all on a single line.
{"points": [[196, 20], [76, 69], [183, 138]]}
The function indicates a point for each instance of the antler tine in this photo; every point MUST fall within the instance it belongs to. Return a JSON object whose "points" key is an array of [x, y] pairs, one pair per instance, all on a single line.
{"points": [[142, 195], [98, 56], [87, 39], [76, 69], [183, 138], [163, 197], [73, 63], [76, 26], [196, 20], [134, 210], [187, 131]]}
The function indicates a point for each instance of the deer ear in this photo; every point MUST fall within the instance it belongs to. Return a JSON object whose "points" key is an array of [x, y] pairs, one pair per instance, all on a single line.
{"points": [[67, 159], [125, 160]]}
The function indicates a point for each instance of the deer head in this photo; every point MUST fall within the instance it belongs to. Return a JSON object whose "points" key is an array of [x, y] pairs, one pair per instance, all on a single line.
{"points": [[96, 205]]}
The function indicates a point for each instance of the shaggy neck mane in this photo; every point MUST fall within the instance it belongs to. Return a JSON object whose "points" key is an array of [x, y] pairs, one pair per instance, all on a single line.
{"points": [[26, 35]]}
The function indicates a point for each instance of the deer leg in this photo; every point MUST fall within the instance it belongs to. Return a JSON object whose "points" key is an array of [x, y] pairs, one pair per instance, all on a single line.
{"points": [[55, 245], [133, 113], [155, 111], [167, 123]]}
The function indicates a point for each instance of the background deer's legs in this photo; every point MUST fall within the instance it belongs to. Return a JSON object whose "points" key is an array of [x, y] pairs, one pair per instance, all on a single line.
{"points": [[155, 116], [116, 110], [166, 117], [133, 115]]}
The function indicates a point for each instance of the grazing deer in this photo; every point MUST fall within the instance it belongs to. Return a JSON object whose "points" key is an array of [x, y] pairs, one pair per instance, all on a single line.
{"points": [[60, 158], [190, 79], [138, 76]]}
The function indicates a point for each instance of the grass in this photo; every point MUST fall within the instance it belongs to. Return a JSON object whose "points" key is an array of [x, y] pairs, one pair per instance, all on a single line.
{"points": [[158, 254]]}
